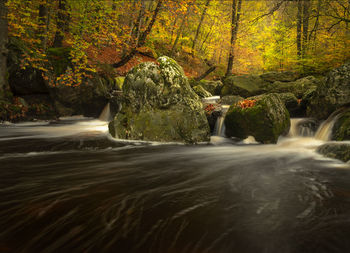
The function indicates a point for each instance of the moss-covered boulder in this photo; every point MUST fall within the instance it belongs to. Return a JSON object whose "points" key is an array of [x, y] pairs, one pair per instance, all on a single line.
{"points": [[159, 105], [291, 102], [285, 76], [298, 87], [245, 86], [341, 128], [340, 151], [265, 117], [88, 99], [331, 94], [201, 92], [214, 87]]}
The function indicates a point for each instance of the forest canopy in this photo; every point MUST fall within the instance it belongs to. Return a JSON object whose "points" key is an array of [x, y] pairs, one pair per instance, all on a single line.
{"points": [[232, 36]]}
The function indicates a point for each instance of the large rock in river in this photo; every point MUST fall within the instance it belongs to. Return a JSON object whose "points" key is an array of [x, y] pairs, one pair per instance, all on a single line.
{"points": [[265, 117], [340, 151], [160, 105], [332, 94]]}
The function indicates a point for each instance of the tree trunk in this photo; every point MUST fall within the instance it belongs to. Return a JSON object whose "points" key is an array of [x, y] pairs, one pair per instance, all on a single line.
{"points": [[179, 32], [205, 74], [43, 24], [313, 33], [306, 16], [200, 25], [207, 36], [236, 13], [138, 25], [299, 23], [3, 48], [142, 38], [172, 30], [62, 24]]}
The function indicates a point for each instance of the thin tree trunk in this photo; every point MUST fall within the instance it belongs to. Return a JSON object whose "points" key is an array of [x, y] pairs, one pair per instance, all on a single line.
{"points": [[44, 24], [172, 30], [207, 36], [313, 33], [62, 23], [3, 48], [200, 25], [306, 16], [135, 33], [205, 74], [299, 24], [180, 30], [142, 39], [236, 12]]}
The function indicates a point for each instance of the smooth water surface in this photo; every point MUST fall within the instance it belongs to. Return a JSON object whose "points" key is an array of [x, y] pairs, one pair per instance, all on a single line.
{"points": [[68, 187]]}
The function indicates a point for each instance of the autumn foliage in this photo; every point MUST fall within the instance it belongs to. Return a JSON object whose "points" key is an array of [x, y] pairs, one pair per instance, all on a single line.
{"points": [[247, 103], [196, 33]]}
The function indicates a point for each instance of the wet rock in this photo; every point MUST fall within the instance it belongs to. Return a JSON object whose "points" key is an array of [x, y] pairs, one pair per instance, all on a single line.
{"points": [[340, 151], [331, 94], [266, 119], [286, 76], [291, 103], [298, 87], [87, 99], [341, 128], [201, 92], [159, 105], [214, 87], [245, 86]]}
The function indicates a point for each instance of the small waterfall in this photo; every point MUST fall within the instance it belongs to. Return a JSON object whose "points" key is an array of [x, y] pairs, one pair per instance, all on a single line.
{"points": [[302, 127], [106, 113], [324, 132], [219, 129]]}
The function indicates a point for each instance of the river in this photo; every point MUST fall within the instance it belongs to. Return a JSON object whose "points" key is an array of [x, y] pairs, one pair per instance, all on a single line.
{"points": [[66, 186]]}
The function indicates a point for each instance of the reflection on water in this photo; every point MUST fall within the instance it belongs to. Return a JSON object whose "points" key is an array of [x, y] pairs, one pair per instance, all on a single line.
{"points": [[83, 192]]}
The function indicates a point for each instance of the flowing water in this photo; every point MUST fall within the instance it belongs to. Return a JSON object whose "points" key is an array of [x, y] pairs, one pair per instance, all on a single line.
{"points": [[219, 129], [66, 186]]}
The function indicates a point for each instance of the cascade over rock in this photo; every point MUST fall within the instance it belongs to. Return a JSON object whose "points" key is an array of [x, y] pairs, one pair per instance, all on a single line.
{"points": [[159, 105], [332, 94], [266, 120]]}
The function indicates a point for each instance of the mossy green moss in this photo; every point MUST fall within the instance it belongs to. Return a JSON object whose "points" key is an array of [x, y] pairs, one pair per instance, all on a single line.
{"points": [[266, 120], [59, 58], [341, 129], [200, 91], [340, 151]]}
